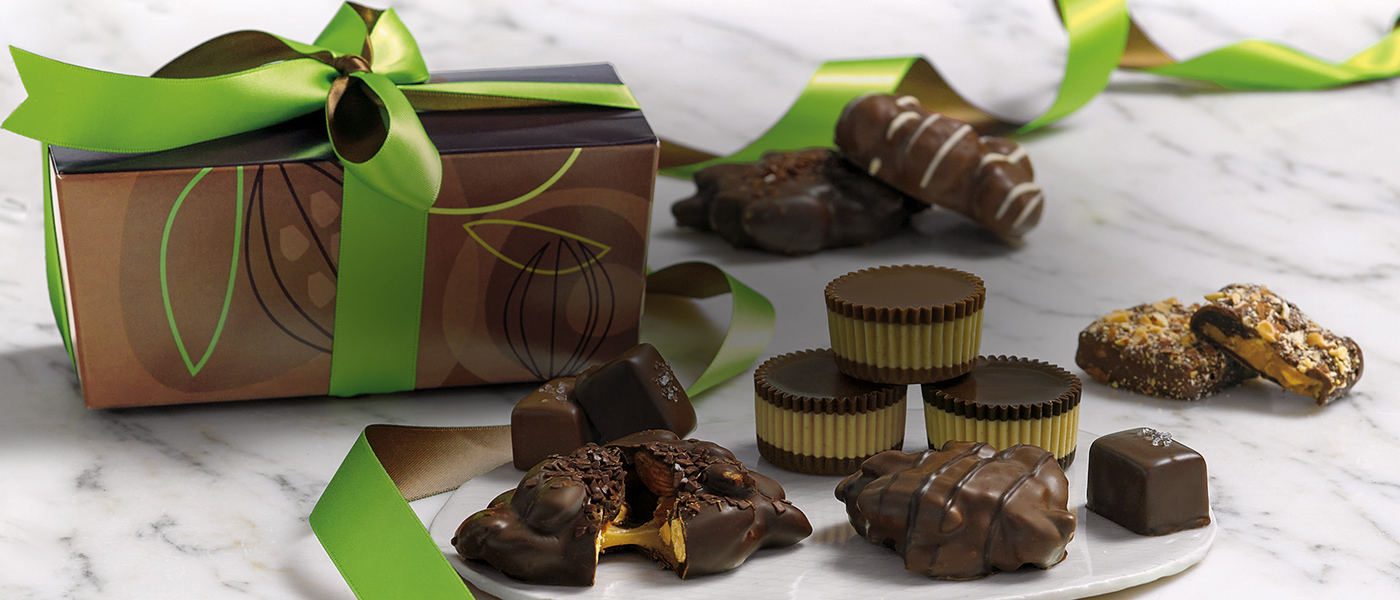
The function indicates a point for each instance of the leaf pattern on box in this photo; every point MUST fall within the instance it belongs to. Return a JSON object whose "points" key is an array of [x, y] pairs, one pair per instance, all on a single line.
{"points": [[192, 366], [532, 264], [518, 200]]}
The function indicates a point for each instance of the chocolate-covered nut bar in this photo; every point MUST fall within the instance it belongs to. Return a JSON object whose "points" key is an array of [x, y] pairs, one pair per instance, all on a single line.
{"points": [[1147, 482], [964, 511], [634, 392], [1270, 334], [941, 161], [546, 422], [1004, 401], [814, 419], [688, 504], [1150, 349], [795, 202], [905, 324]]}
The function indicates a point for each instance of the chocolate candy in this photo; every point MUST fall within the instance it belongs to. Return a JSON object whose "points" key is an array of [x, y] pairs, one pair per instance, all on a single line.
{"points": [[1006, 400], [964, 511], [812, 418], [1147, 482], [548, 421], [688, 504], [793, 203], [634, 392], [1150, 349], [1270, 334], [941, 161], [905, 324]]}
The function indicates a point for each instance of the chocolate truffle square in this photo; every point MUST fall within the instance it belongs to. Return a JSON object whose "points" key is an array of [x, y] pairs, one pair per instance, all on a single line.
{"points": [[634, 392], [548, 421], [1147, 482]]}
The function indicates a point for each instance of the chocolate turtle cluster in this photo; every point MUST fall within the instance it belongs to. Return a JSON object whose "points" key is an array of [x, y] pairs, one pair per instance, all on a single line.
{"points": [[690, 505]]}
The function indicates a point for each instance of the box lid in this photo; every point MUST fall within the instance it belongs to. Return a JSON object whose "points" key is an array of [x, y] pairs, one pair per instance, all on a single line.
{"points": [[304, 139]]}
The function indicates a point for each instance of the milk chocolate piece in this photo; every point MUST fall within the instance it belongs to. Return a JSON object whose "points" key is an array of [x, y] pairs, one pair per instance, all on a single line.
{"points": [[1040, 402], [965, 511], [1147, 482], [905, 324], [941, 161], [634, 392], [548, 421], [688, 504], [1150, 349], [1270, 334], [793, 203], [812, 418]]}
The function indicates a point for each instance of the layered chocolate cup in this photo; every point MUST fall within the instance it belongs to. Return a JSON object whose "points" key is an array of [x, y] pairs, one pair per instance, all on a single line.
{"points": [[1004, 401], [814, 419], [905, 324]]}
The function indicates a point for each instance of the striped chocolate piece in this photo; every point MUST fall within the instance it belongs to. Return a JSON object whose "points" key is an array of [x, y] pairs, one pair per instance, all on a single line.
{"points": [[942, 161], [814, 419], [905, 324], [1004, 401]]}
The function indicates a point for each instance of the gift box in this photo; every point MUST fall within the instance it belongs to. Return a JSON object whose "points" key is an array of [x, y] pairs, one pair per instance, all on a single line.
{"points": [[212, 271]]}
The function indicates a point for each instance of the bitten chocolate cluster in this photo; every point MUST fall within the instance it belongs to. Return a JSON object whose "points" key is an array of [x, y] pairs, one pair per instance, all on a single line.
{"points": [[688, 504], [965, 511]]}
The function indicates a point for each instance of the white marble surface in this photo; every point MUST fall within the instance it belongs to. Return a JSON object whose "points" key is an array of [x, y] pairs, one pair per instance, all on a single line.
{"points": [[1157, 188]]}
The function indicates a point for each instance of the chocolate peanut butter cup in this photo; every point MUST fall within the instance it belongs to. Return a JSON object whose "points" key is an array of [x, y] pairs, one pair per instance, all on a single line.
{"points": [[905, 324], [814, 419], [1004, 401]]}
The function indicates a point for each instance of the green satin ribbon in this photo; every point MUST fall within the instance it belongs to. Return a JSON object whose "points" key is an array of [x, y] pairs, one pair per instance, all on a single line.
{"points": [[366, 72], [363, 518]]}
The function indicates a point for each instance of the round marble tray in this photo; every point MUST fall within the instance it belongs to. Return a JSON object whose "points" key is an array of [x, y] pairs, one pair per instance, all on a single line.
{"points": [[834, 562]]}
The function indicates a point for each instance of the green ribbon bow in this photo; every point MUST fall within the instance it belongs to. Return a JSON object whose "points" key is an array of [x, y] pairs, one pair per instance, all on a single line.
{"points": [[365, 71]]}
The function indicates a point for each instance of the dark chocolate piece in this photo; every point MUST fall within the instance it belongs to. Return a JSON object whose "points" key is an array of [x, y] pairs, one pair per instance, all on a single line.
{"points": [[1147, 482], [1150, 349], [793, 203], [941, 161], [1007, 388], [965, 511], [812, 418], [688, 504], [634, 392], [548, 421], [1270, 334], [905, 324]]}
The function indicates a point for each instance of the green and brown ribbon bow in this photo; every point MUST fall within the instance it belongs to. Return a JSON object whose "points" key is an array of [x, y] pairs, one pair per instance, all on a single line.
{"points": [[365, 71]]}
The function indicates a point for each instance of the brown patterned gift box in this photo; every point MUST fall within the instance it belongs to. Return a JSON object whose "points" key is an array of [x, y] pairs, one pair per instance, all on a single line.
{"points": [[209, 272]]}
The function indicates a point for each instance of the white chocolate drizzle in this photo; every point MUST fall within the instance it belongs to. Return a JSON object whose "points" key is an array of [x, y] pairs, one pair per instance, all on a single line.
{"points": [[906, 102], [909, 144], [942, 152], [898, 120], [1027, 210], [991, 157], [1019, 189], [875, 165]]}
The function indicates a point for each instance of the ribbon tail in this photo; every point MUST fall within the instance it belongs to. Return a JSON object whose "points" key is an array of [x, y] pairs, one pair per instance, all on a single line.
{"points": [[751, 321]]}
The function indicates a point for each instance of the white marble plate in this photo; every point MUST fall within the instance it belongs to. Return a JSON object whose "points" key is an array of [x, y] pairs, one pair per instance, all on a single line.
{"points": [[834, 562]]}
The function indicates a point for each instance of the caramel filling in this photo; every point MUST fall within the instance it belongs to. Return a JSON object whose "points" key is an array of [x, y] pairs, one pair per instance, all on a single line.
{"points": [[1260, 354], [945, 344], [661, 538], [830, 435], [1057, 434]]}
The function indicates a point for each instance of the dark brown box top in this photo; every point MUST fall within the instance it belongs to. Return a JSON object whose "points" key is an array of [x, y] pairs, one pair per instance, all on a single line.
{"points": [[303, 139]]}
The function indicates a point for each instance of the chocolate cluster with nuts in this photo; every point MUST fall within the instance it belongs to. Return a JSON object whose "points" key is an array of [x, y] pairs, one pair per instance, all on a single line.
{"points": [[687, 504]]}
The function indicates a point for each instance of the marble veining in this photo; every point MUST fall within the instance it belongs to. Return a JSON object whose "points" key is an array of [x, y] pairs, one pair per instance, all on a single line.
{"points": [[1158, 188]]}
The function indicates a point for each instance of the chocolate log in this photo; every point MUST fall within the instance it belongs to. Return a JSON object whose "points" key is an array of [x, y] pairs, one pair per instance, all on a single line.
{"points": [[1150, 349], [1147, 482], [941, 161], [688, 504], [793, 203], [1270, 334], [964, 511]]}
